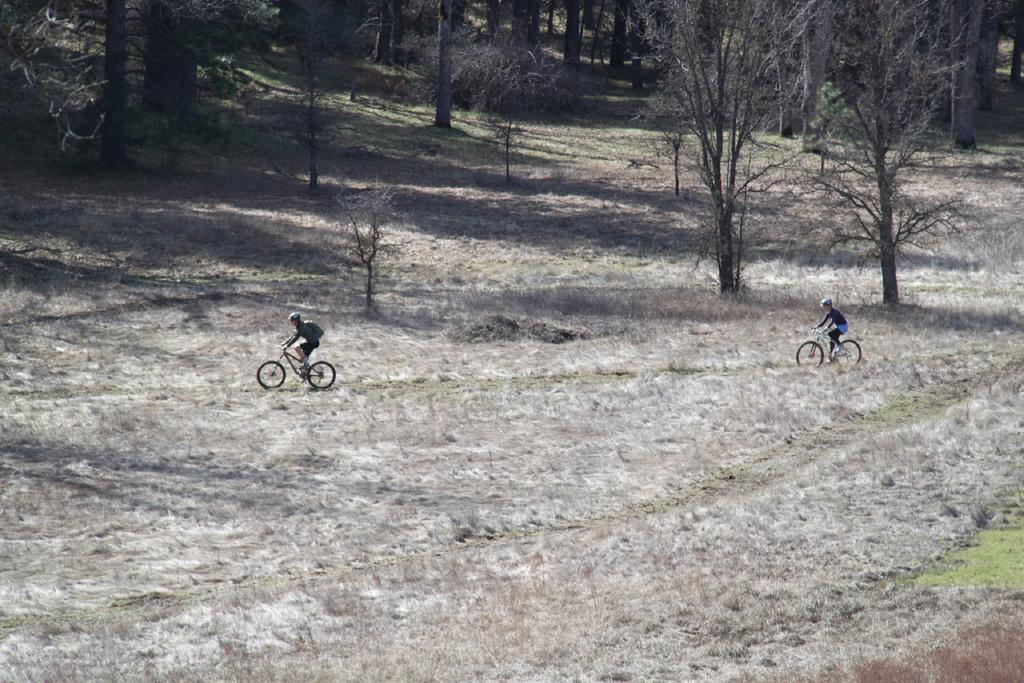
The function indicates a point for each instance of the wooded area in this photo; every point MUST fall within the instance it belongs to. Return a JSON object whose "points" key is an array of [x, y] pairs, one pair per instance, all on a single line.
{"points": [[865, 83]]}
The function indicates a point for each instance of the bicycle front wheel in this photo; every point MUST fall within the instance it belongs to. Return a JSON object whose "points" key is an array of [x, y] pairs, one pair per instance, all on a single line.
{"points": [[810, 353], [321, 375], [850, 354], [270, 375]]}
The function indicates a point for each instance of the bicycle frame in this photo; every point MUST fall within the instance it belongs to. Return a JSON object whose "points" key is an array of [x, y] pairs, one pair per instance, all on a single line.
{"points": [[294, 361], [821, 336]]}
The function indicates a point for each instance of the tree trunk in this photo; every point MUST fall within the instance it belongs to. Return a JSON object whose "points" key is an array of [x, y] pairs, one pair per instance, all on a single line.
{"points": [[675, 163], [816, 40], [785, 104], [520, 22], [890, 286], [785, 119], [1018, 42], [636, 40], [588, 14], [572, 33], [170, 83], [551, 18], [443, 116], [113, 136], [727, 266], [508, 152], [618, 53], [382, 52], [886, 238], [458, 14], [314, 171], [533, 37], [493, 19], [965, 29], [369, 285], [596, 34], [638, 67], [399, 32], [311, 131], [988, 54]]}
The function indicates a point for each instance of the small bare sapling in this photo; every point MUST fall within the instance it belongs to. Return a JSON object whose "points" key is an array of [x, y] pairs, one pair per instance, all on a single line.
{"points": [[368, 219]]}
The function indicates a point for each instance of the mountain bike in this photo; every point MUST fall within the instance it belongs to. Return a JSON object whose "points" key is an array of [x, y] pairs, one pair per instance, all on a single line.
{"points": [[816, 351], [319, 375]]}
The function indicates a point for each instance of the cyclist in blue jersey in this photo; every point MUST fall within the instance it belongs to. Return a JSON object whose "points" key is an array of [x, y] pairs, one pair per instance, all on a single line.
{"points": [[835, 320]]}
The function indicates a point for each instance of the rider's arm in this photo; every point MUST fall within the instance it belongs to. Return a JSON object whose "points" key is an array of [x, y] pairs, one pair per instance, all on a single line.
{"points": [[824, 320], [292, 340]]}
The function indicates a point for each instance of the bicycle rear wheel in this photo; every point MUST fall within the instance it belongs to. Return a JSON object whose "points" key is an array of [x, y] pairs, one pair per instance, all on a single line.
{"points": [[321, 375], [270, 375], [852, 355], [810, 353]]}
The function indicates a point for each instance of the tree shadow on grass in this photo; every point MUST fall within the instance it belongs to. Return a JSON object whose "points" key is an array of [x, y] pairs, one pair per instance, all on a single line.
{"points": [[255, 220], [134, 481], [520, 216], [914, 317], [98, 236], [846, 257]]}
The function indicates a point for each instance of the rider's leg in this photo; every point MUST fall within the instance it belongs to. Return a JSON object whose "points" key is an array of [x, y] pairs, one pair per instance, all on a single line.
{"points": [[834, 334], [307, 348]]}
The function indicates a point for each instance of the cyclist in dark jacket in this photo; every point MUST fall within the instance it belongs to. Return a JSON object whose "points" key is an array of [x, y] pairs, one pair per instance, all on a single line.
{"points": [[308, 330], [837, 321]]}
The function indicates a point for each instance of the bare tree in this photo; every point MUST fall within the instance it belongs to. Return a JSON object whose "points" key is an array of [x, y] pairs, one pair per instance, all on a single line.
{"points": [[53, 53], [313, 30], [719, 85], [892, 76], [368, 219], [507, 83], [660, 111], [505, 131], [671, 145]]}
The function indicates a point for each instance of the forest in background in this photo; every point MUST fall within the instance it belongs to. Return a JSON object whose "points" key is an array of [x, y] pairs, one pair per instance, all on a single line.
{"points": [[866, 85]]}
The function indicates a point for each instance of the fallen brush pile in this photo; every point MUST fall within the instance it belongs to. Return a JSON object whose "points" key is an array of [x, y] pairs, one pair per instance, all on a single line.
{"points": [[497, 328]]}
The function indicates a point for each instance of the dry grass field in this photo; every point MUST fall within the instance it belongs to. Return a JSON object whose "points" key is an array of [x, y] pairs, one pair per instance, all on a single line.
{"points": [[667, 498]]}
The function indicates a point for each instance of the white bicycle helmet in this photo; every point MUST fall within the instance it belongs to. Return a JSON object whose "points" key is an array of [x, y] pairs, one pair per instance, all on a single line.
{"points": [[826, 302]]}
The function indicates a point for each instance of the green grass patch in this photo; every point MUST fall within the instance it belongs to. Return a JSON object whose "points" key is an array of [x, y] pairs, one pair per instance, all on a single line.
{"points": [[996, 560]]}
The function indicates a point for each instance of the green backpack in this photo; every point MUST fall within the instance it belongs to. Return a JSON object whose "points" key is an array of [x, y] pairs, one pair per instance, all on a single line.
{"points": [[317, 330]]}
